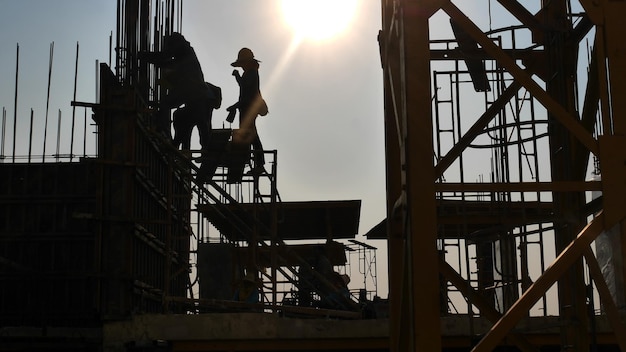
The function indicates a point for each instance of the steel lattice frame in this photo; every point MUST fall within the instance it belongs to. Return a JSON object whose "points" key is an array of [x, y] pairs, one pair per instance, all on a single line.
{"points": [[414, 178]]}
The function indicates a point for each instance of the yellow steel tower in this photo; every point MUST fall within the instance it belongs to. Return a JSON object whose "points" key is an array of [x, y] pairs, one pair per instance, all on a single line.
{"points": [[541, 101]]}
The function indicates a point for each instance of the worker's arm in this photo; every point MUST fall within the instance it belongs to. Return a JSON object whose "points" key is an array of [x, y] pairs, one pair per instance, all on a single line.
{"points": [[158, 58], [237, 76]]}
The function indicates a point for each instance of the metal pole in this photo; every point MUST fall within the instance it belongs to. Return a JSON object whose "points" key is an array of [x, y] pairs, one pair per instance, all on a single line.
{"points": [[30, 136], [110, 47], [97, 80], [180, 16], [117, 39], [45, 126], [4, 124], [17, 70], [58, 136], [74, 107], [85, 134]]}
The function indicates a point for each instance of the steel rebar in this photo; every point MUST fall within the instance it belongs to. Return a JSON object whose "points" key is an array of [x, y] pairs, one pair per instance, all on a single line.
{"points": [[58, 137], [17, 70], [74, 107], [30, 136], [45, 126], [4, 124]]}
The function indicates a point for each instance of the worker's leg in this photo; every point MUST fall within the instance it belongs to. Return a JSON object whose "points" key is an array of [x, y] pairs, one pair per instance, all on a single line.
{"points": [[183, 127], [259, 156]]}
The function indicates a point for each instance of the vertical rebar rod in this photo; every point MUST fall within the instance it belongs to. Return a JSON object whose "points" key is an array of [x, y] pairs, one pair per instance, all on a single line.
{"points": [[58, 136], [110, 47], [17, 70], [180, 17], [85, 134], [169, 18], [74, 106], [30, 136], [4, 125], [97, 81], [117, 40], [45, 126]]}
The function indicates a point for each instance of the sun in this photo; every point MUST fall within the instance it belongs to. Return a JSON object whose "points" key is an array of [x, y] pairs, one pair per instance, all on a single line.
{"points": [[318, 19]]}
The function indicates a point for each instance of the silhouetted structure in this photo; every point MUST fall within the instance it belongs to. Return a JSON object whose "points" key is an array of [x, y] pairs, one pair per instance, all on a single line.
{"points": [[95, 253]]}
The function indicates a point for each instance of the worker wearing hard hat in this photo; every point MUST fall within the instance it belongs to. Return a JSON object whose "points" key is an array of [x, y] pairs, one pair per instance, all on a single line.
{"points": [[250, 105]]}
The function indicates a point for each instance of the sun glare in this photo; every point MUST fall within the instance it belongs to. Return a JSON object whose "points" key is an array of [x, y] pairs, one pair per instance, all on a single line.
{"points": [[318, 19]]}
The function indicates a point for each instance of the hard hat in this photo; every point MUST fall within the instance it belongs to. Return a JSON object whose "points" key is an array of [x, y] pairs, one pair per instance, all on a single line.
{"points": [[244, 55]]}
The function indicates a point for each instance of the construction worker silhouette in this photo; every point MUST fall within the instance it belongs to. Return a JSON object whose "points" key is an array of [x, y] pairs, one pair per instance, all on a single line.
{"points": [[250, 105], [189, 116], [248, 289], [183, 82]]}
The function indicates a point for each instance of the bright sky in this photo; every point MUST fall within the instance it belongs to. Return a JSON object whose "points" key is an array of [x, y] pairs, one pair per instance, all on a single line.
{"points": [[325, 96]]}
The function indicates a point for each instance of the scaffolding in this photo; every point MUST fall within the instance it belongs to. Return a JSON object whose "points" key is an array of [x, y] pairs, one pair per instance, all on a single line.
{"points": [[488, 130]]}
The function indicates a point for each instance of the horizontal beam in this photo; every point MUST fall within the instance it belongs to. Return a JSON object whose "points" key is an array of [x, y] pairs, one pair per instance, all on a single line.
{"points": [[557, 186]]}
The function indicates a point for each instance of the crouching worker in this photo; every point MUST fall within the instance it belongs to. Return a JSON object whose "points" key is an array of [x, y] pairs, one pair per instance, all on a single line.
{"points": [[248, 289], [338, 295]]}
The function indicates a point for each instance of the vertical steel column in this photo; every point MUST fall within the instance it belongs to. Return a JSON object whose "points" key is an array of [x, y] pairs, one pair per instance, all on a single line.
{"points": [[610, 46], [616, 47], [414, 286], [561, 56], [390, 59], [420, 228]]}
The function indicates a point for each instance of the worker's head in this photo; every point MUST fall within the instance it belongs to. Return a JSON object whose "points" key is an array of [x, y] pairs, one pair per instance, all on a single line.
{"points": [[250, 278], [245, 57], [175, 42]]}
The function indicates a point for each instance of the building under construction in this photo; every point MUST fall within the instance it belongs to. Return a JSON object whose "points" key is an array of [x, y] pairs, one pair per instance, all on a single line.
{"points": [[135, 249]]}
